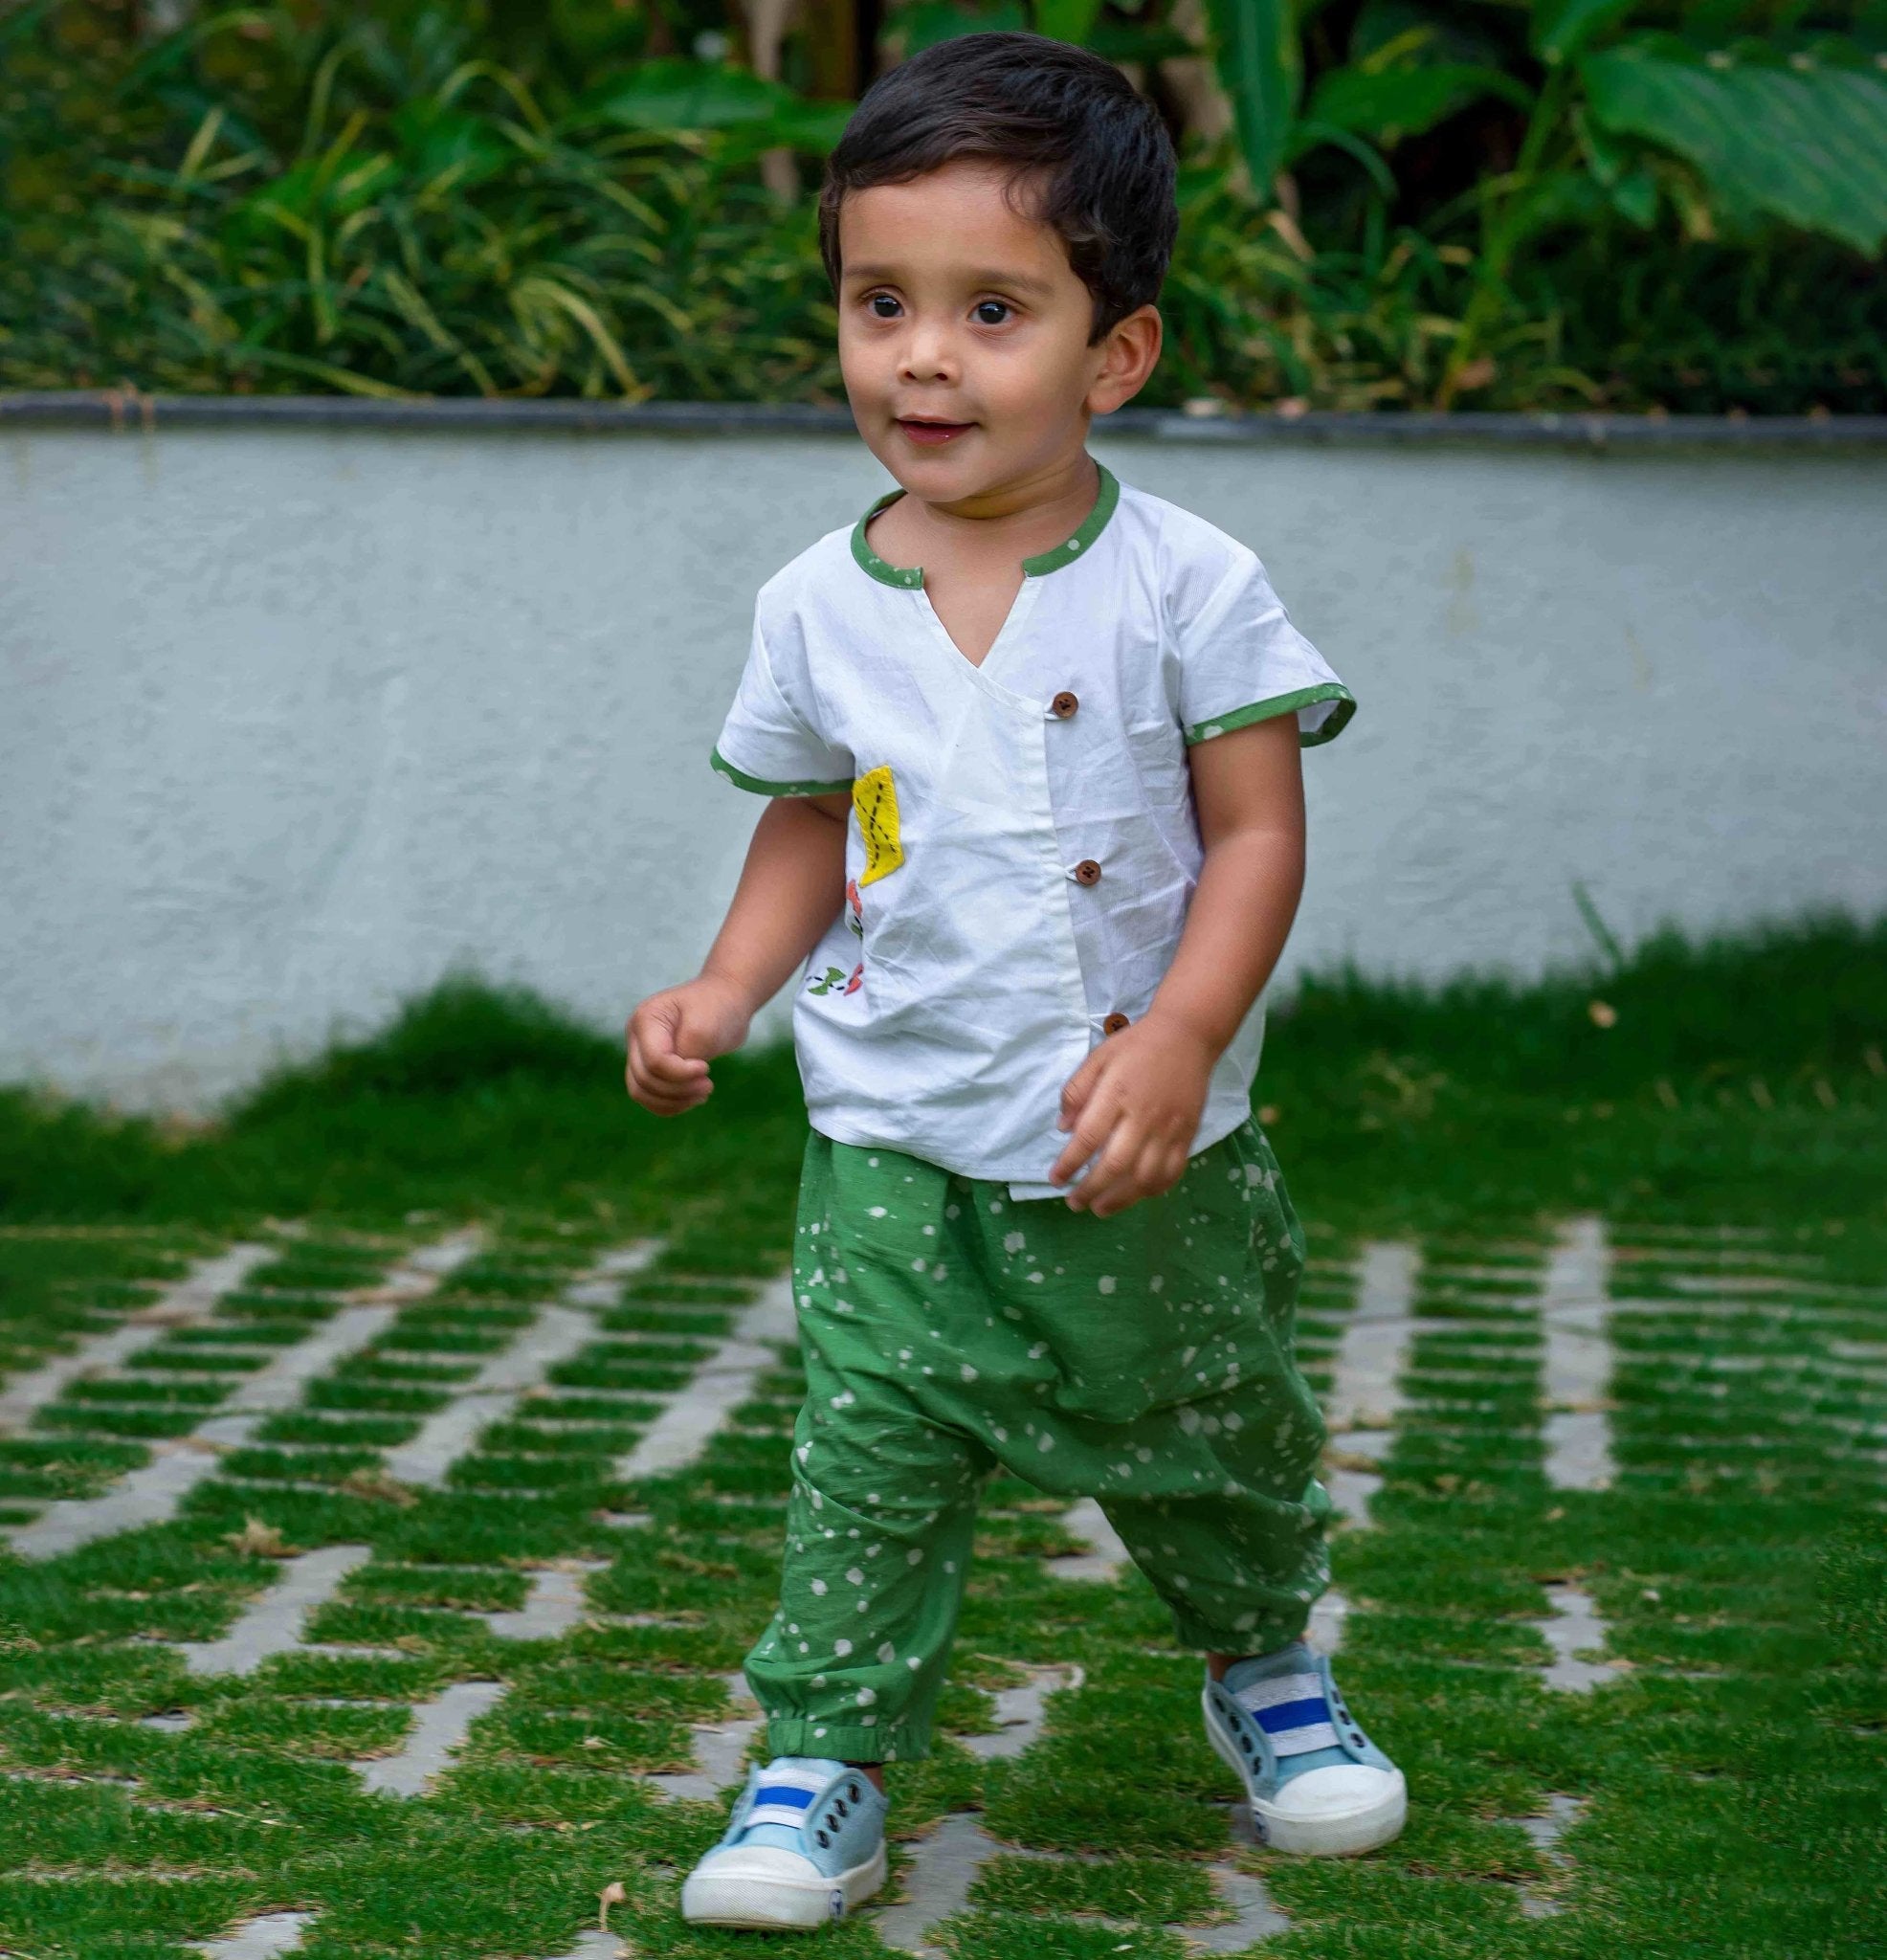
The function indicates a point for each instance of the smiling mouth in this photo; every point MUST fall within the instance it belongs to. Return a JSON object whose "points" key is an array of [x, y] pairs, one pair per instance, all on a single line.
{"points": [[922, 431]]}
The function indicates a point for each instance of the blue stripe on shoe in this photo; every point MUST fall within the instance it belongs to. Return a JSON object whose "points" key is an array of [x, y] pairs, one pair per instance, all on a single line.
{"points": [[1294, 1714], [783, 1793]]}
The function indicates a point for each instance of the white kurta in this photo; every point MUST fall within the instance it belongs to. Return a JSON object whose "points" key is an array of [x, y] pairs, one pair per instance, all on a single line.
{"points": [[1022, 847]]}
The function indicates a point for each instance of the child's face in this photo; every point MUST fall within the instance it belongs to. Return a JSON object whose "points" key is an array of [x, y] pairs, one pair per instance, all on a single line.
{"points": [[954, 307]]}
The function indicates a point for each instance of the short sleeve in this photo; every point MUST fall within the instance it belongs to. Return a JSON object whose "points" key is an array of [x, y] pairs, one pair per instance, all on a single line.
{"points": [[768, 745], [1241, 660]]}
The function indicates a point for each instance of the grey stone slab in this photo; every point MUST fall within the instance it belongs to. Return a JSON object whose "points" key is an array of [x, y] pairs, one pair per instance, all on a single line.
{"points": [[944, 1868], [556, 1333], [1255, 1917], [444, 1438], [723, 1381], [1328, 1620], [1576, 1369], [282, 1384], [1351, 1492], [721, 1748], [192, 1299], [554, 1605], [431, 1264], [153, 1493], [595, 1944], [439, 1728], [1751, 1286], [1572, 1630], [261, 1939], [275, 1622], [1020, 1711], [1365, 1391], [149, 1495], [602, 1285], [1106, 1557], [1546, 1832]]}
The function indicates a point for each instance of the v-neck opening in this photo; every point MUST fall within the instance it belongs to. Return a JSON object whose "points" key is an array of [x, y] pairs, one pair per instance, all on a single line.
{"points": [[1035, 567], [1014, 621]]}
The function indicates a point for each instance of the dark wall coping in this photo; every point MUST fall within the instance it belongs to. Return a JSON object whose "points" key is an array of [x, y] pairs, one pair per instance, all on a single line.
{"points": [[127, 411]]}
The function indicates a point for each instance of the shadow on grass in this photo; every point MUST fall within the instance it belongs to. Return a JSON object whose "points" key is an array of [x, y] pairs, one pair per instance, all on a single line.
{"points": [[1733, 1075]]}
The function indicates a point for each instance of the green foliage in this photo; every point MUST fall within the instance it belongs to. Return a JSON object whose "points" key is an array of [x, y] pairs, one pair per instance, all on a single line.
{"points": [[1563, 206], [1747, 1066], [1854, 1592], [1387, 104], [470, 1088], [1067, 20], [1261, 64], [1802, 137], [1723, 1781]]}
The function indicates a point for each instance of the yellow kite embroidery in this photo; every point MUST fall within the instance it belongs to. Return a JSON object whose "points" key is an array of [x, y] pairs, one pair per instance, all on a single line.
{"points": [[875, 799]]}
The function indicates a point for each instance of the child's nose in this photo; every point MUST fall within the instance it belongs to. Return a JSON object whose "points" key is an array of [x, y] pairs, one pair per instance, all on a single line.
{"points": [[929, 350]]}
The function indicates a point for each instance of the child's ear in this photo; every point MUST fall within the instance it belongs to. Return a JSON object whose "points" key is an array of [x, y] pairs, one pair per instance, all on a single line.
{"points": [[1129, 355]]}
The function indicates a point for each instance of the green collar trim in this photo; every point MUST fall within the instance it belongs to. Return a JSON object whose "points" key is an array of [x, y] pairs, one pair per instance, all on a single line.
{"points": [[906, 577], [899, 576]]}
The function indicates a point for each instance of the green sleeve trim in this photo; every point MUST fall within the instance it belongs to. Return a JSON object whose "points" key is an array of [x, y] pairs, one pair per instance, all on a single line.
{"points": [[907, 577], [761, 787], [1333, 724]]}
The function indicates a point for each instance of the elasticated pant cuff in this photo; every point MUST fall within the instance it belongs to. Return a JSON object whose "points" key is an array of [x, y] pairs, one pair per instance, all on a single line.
{"points": [[902, 1743], [1266, 1637]]}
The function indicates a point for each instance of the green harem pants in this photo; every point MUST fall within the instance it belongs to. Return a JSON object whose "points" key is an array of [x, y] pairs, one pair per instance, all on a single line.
{"points": [[1143, 1359]]}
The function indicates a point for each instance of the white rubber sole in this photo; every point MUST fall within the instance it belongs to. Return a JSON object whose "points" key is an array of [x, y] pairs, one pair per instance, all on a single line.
{"points": [[771, 1902], [1331, 1833]]}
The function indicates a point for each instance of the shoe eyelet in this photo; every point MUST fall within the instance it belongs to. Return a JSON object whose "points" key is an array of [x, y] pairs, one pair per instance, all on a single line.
{"points": [[852, 1790], [824, 1840], [839, 1807]]}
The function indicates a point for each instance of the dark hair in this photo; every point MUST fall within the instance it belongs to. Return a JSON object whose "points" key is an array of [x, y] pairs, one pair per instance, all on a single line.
{"points": [[1037, 106]]}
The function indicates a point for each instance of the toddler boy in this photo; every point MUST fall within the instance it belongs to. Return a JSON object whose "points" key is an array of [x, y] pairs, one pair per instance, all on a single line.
{"points": [[1033, 838]]}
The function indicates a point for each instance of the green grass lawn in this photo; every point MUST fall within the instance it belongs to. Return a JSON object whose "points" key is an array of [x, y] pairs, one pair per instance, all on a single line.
{"points": [[1721, 1109]]}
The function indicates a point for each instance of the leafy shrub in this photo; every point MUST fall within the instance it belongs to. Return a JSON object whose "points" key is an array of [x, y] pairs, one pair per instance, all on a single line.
{"points": [[1463, 204]]}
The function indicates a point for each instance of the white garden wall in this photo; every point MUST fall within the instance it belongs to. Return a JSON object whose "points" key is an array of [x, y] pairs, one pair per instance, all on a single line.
{"points": [[293, 720]]}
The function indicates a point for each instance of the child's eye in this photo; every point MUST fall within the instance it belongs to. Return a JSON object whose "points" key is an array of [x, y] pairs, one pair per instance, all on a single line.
{"points": [[873, 301], [1001, 307]]}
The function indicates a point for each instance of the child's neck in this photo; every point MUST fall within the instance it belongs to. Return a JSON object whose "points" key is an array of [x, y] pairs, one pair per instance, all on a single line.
{"points": [[989, 530]]}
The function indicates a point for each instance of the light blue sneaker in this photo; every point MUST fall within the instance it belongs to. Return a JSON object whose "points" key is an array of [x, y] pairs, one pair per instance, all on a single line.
{"points": [[1315, 1782], [805, 1845]]}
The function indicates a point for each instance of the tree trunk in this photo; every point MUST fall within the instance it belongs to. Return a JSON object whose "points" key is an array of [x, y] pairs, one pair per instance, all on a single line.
{"points": [[1192, 80], [766, 25]]}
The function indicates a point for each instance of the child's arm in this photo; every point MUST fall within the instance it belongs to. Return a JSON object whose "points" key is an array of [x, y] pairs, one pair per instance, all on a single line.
{"points": [[1138, 1096], [791, 889]]}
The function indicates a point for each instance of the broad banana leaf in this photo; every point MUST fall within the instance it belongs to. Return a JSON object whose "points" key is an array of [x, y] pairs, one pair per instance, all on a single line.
{"points": [[1560, 28], [1803, 139], [671, 92], [1260, 62]]}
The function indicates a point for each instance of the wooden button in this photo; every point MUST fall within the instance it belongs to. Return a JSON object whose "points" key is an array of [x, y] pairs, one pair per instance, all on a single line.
{"points": [[1113, 1024], [1087, 871], [1063, 705]]}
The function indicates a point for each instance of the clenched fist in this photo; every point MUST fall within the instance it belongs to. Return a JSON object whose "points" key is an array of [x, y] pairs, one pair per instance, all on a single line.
{"points": [[671, 1037]]}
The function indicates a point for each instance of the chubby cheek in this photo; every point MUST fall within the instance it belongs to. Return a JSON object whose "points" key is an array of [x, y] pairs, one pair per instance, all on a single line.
{"points": [[868, 370], [1030, 396]]}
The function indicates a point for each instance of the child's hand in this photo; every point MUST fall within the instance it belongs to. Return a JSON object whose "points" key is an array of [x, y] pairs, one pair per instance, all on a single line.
{"points": [[671, 1036], [1137, 1100]]}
